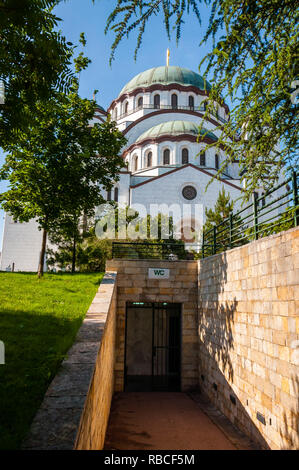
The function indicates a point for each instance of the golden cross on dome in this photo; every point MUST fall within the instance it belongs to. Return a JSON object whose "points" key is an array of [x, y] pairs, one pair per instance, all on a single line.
{"points": [[167, 57]]}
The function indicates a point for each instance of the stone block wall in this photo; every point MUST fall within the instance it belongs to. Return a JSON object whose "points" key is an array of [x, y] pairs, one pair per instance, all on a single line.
{"points": [[76, 407], [249, 337], [95, 416], [133, 285]]}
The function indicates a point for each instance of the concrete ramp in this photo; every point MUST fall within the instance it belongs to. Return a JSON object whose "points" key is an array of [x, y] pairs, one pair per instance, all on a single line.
{"points": [[161, 421]]}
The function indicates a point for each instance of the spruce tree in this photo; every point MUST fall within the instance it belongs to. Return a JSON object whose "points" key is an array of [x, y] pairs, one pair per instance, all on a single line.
{"points": [[219, 217], [222, 210]]}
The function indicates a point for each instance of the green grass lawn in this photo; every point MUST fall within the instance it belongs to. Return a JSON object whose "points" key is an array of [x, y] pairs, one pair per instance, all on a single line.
{"points": [[39, 320]]}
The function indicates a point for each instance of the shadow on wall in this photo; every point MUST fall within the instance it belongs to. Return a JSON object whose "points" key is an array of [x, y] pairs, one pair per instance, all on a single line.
{"points": [[218, 360], [290, 428], [215, 325]]}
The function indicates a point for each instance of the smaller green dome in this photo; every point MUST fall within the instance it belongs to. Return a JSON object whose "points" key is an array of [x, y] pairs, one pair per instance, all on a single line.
{"points": [[174, 128]]}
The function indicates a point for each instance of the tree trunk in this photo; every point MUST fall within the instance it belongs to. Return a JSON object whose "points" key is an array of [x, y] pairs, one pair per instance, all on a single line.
{"points": [[74, 255], [84, 224], [40, 271]]}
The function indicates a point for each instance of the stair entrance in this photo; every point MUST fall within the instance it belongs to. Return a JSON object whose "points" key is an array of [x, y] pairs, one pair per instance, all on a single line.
{"points": [[152, 347]]}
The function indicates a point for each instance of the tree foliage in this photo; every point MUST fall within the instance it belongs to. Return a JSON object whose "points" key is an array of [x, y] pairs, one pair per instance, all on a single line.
{"points": [[35, 60], [253, 62], [92, 252], [128, 15], [222, 210], [219, 217], [55, 169], [91, 255]]}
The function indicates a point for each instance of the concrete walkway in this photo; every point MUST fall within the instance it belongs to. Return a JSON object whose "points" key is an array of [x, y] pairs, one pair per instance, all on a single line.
{"points": [[161, 421]]}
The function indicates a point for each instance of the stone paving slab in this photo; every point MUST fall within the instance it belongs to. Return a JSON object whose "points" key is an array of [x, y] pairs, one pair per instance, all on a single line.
{"points": [[72, 380], [83, 353], [238, 439], [50, 432], [161, 421]]}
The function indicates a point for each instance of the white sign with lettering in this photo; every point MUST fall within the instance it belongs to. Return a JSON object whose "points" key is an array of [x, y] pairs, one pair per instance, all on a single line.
{"points": [[158, 273]]}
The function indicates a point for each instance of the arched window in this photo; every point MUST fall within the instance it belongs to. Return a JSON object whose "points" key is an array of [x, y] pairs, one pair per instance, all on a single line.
{"points": [[166, 157], [204, 105], [203, 159], [109, 195], [185, 156], [135, 163], [126, 108], [115, 114], [149, 159], [191, 102], [217, 161], [116, 194], [140, 102], [157, 101], [174, 101]]}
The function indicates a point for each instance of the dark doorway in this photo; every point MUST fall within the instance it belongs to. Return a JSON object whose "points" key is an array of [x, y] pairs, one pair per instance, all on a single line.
{"points": [[153, 347]]}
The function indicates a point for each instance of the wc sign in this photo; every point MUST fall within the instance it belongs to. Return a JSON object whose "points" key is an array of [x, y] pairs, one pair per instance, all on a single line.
{"points": [[158, 273]]}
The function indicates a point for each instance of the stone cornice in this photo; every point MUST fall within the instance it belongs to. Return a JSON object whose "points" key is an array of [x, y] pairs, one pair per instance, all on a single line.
{"points": [[101, 111], [169, 138], [160, 87], [170, 111], [182, 167]]}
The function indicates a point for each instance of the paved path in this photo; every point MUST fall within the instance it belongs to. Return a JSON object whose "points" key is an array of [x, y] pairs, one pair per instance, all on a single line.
{"points": [[161, 421]]}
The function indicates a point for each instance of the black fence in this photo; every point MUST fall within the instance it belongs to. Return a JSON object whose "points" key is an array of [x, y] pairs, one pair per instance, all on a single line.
{"points": [[272, 212], [147, 250]]}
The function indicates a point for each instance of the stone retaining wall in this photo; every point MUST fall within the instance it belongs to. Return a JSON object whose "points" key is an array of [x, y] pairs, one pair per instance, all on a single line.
{"points": [[76, 407], [94, 420], [249, 337], [240, 339]]}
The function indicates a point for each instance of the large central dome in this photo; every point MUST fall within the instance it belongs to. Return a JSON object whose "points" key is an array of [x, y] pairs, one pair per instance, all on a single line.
{"points": [[166, 76]]}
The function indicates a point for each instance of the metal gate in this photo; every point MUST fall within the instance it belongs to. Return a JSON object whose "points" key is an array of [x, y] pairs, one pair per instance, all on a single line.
{"points": [[153, 347]]}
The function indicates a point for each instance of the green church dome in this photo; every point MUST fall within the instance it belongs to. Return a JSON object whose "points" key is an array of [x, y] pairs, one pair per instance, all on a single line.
{"points": [[101, 108], [166, 76], [174, 128]]}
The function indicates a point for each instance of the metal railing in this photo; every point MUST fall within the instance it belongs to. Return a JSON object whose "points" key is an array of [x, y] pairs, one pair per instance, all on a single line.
{"points": [[164, 106], [274, 211], [147, 250]]}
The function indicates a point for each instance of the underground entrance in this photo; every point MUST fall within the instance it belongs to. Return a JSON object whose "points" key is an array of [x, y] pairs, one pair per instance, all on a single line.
{"points": [[153, 347]]}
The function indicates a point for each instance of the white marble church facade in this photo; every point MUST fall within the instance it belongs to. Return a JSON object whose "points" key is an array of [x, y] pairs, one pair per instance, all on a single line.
{"points": [[158, 112]]}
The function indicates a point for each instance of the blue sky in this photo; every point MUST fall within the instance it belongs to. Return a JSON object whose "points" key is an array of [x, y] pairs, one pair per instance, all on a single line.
{"points": [[84, 16]]}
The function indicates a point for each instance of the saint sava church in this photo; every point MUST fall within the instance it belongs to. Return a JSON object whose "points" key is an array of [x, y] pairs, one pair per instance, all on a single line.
{"points": [[159, 112]]}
